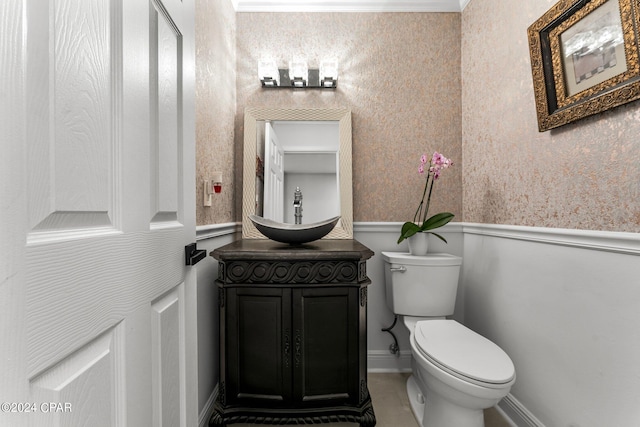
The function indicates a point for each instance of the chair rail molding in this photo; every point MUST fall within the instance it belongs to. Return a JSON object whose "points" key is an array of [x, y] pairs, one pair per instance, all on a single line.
{"points": [[610, 241], [216, 230]]}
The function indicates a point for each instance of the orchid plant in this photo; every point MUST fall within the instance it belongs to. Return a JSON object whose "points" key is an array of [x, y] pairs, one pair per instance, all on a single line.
{"points": [[420, 222]]}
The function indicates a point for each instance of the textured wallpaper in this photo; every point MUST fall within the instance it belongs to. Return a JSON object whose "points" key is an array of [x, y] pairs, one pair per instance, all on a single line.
{"points": [[215, 107], [399, 75], [418, 82], [585, 175]]}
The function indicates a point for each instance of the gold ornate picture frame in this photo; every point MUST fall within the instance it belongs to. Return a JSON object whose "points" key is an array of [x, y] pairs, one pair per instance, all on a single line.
{"points": [[584, 59]]}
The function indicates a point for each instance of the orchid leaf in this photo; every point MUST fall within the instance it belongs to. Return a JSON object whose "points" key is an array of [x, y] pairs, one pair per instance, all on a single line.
{"points": [[436, 221], [408, 230], [439, 237]]}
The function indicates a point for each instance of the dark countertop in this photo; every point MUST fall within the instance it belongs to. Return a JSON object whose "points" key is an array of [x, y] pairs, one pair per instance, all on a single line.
{"points": [[264, 249]]}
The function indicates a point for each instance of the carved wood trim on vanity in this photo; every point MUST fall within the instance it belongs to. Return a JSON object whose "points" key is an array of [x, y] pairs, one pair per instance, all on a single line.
{"points": [[267, 272], [363, 297], [330, 261]]}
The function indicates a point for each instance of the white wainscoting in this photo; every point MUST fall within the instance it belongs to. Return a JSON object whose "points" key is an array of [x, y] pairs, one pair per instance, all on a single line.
{"points": [[564, 304], [209, 237]]}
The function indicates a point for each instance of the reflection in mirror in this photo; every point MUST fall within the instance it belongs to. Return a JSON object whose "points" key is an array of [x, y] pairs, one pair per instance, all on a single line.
{"points": [[287, 150], [297, 155]]}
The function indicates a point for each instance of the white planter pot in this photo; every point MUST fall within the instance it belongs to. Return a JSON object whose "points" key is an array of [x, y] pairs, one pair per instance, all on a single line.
{"points": [[418, 244]]}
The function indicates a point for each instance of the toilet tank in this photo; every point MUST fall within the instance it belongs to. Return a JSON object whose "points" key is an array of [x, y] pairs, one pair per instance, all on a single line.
{"points": [[424, 286]]}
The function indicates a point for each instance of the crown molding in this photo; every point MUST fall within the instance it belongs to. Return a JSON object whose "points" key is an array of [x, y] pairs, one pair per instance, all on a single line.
{"points": [[349, 5]]}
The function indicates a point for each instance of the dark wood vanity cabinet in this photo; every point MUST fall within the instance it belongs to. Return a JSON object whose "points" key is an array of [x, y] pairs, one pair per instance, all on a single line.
{"points": [[293, 333]]}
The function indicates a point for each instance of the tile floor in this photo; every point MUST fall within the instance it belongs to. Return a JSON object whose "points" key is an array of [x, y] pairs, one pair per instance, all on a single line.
{"points": [[391, 405]]}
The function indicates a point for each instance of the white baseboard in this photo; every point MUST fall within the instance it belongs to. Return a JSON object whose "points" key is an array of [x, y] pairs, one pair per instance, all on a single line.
{"points": [[205, 415], [516, 414], [380, 361]]}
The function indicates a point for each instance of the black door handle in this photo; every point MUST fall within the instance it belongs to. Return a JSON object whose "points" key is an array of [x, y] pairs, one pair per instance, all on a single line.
{"points": [[193, 255]]}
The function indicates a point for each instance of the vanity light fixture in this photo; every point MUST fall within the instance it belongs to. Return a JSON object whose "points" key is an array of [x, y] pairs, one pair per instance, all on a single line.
{"points": [[298, 75], [299, 72], [268, 73], [329, 74]]}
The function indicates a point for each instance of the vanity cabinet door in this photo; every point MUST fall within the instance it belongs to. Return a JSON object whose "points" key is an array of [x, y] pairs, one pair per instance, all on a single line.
{"points": [[326, 346], [258, 346]]}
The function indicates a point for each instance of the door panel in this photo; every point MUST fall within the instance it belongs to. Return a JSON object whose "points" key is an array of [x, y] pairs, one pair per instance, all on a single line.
{"points": [[80, 379], [166, 73], [72, 131], [167, 325]]}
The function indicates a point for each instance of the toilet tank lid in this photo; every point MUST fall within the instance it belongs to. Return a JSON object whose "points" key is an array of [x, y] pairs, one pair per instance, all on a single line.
{"points": [[464, 352], [439, 259]]}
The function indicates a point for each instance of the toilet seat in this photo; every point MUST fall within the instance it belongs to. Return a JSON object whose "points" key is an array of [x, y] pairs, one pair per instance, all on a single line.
{"points": [[463, 353]]}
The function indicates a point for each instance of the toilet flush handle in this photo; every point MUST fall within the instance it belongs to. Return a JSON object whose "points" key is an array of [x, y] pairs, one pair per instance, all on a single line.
{"points": [[400, 268]]}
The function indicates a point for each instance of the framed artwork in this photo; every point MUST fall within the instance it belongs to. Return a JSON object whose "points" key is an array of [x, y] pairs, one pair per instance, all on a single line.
{"points": [[584, 59]]}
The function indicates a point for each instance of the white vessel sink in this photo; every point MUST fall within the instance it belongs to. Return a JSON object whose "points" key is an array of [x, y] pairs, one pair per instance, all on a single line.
{"points": [[294, 234]]}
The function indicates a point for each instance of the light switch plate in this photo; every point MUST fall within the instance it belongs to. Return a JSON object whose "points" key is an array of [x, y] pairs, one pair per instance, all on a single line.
{"points": [[206, 185]]}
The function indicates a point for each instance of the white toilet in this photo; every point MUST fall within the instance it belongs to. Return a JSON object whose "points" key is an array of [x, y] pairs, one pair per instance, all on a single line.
{"points": [[456, 372]]}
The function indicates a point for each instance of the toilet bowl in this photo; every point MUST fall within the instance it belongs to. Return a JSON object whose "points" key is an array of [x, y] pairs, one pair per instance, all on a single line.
{"points": [[456, 373]]}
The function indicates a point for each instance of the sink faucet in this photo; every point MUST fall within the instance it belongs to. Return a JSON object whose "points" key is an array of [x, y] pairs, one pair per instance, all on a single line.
{"points": [[297, 205]]}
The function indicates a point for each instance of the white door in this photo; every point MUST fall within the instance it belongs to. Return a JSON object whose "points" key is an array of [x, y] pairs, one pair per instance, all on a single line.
{"points": [[97, 307], [274, 176]]}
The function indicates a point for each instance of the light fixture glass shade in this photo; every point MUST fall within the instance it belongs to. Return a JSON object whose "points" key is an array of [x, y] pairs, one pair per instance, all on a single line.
{"points": [[298, 72], [268, 73], [329, 73]]}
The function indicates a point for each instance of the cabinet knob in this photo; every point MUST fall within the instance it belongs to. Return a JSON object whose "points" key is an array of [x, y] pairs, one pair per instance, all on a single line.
{"points": [[298, 343], [287, 347]]}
